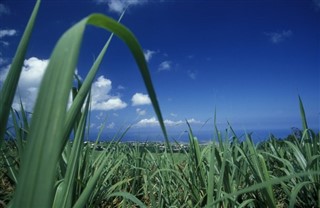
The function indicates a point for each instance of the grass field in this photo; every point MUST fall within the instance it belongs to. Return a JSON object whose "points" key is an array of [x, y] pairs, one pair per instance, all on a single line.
{"points": [[41, 167]]}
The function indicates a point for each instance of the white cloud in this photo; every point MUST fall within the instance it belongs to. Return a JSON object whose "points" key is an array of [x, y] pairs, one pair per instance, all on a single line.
{"points": [[192, 74], [194, 121], [110, 104], [100, 97], [120, 87], [4, 10], [140, 99], [100, 116], [4, 43], [277, 37], [111, 125], [141, 112], [32, 72], [119, 6], [10, 32], [165, 66], [148, 54], [172, 123], [152, 122]]}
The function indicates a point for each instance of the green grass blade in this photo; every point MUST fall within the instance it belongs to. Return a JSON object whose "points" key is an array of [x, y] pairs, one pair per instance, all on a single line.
{"points": [[82, 200], [64, 195], [303, 115], [137, 52], [10, 84], [85, 88], [210, 187], [130, 197], [46, 131], [38, 166], [295, 192]]}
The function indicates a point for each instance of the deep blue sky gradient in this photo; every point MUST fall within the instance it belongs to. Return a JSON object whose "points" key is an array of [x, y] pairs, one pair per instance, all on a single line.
{"points": [[220, 52]]}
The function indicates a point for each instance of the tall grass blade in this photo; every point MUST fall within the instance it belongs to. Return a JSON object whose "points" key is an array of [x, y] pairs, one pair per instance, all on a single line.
{"points": [[46, 135], [10, 84], [85, 88], [64, 195]]}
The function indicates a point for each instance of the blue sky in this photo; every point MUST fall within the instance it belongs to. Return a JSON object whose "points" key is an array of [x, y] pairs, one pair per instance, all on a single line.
{"points": [[247, 59]]}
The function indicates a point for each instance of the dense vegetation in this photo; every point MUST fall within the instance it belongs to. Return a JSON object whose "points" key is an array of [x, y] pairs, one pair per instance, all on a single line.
{"points": [[41, 167]]}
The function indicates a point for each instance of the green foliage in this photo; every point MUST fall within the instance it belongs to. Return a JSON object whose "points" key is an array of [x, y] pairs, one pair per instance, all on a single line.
{"points": [[41, 166]]}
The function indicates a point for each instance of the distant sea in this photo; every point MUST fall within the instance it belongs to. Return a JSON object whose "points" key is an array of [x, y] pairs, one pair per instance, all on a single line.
{"points": [[204, 136]]}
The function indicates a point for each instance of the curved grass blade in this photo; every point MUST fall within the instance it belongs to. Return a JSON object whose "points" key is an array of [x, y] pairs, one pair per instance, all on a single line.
{"points": [[46, 136], [10, 84], [85, 88], [295, 192]]}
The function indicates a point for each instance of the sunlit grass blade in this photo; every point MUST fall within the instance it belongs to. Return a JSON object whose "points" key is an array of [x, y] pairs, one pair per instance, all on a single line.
{"points": [[85, 88], [44, 141], [210, 186], [46, 135], [10, 84], [64, 194]]}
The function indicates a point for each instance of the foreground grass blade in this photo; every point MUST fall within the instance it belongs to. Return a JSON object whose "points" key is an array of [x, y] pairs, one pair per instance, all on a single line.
{"points": [[64, 194], [10, 84], [85, 88], [46, 137]]}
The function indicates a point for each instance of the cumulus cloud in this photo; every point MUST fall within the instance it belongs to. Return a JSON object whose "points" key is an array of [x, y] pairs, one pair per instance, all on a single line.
{"points": [[151, 122], [32, 72], [172, 123], [278, 37], [165, 66], [148, 54], [141, 112], [194, 121], [110, 104], [100, 97], [4, 10], [140, 99], [7, 32], [119, 6]]}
